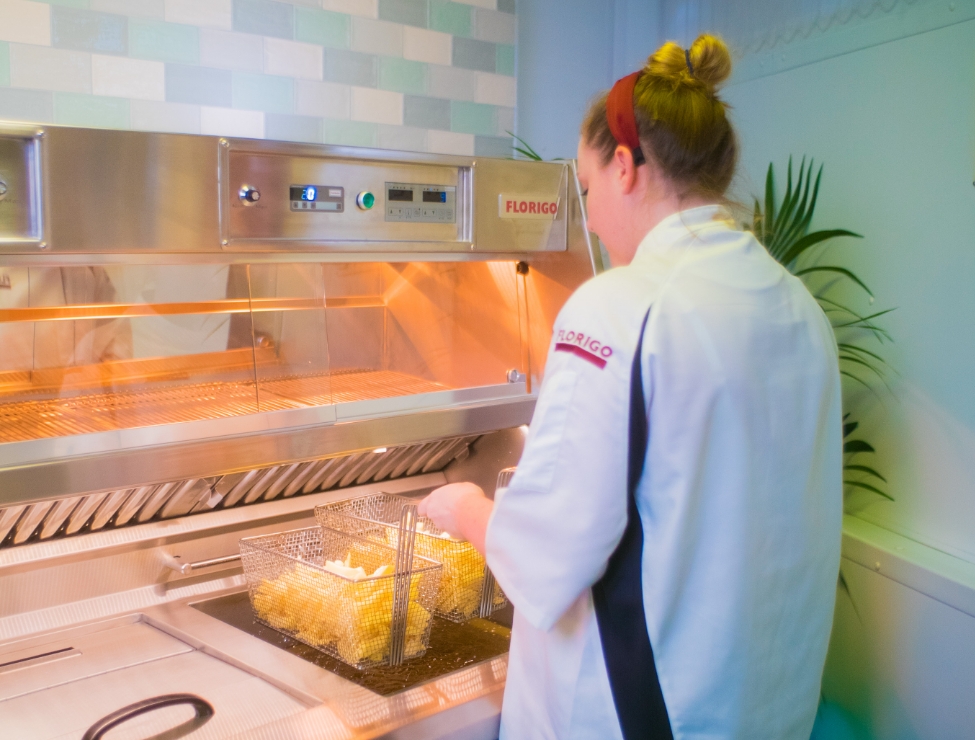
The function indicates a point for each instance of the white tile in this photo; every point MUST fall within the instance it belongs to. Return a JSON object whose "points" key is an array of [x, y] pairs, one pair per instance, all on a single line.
{"points": [[506, 121], [489, 4], [377, 37], [42, 68], [324, 99], [495, 26], [247, 124], [213, 13], [131, 8], [422, 45], [175, 118], [292, 59], [377, 106], [496, 90], [402, 138], [365, 8], [447, 142], [451, 82], [128, 78], [25, 22], [241, 52]]}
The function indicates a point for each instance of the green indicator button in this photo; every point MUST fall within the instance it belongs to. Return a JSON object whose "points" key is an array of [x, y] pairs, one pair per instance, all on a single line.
{"points": [[365, 200]]}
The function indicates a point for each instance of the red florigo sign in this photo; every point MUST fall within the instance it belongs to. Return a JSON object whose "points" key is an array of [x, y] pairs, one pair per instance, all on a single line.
{"points": [[527, 206]]}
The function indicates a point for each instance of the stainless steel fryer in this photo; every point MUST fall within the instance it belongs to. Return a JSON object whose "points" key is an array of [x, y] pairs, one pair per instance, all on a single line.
{"points": [[201, 339]]}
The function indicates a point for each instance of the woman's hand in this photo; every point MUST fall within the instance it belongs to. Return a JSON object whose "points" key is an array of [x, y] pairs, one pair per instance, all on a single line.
{"points": [[460, 509]]}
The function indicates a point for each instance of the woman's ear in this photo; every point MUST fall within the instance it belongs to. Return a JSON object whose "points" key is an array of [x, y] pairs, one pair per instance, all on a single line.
{"points": [[625, 169]]}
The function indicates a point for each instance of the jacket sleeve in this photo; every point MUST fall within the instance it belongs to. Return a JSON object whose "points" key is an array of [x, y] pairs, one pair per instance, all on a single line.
{"points": [[552, 532]]}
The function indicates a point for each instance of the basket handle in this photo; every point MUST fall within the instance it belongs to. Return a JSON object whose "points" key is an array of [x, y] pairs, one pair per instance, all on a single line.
{"points": [[401, 583], [487, 594], [203, 708]]}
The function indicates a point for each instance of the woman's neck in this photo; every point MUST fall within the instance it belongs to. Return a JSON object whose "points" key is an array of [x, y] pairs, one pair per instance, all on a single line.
{"points": [[646, 218]]}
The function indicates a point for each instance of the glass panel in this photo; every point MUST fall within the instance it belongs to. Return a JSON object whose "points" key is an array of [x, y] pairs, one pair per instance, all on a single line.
{"points": [[290, 337], [89, 349], [408, 328]]}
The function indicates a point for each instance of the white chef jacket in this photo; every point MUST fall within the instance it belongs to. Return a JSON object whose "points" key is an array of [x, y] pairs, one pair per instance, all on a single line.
{"points": [[740, 500]]}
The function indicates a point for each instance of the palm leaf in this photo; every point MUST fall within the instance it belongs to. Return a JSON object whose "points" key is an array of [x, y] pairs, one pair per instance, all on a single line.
{"points": [[854, 348], [525, 149], [769, 204], [866, 470], [851, 376], [853, 446], [838, 270], [793, 227], [867, 487], [800, 245]]}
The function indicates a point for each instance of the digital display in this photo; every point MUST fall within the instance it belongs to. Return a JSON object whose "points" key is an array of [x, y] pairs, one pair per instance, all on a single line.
{"points": [[400, 195], [307, 193], [432, 196]]}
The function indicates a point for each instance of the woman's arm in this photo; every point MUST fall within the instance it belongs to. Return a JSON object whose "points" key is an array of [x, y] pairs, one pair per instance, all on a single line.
{"points": [[461, 509]]}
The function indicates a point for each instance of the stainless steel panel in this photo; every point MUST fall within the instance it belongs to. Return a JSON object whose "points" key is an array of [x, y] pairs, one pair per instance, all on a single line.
{"points": [[497, 180], [271, 223], [109, 507], [57, 516], [116, 645], [21, 202], [131, 192], [240, 701], [8, 518], [85, 511], [30, 521], [133, 503], [133, 468]]}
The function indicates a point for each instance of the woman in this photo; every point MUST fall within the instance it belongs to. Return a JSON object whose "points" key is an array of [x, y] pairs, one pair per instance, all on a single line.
{"points": [[671, 538]]}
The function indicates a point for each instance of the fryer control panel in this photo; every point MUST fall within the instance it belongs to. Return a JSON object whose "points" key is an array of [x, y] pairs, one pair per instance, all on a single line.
{"points": [[421, 203]]}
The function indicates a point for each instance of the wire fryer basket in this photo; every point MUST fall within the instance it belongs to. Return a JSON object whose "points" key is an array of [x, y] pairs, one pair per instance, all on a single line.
{"points": [[349, 618], [467, 588]]}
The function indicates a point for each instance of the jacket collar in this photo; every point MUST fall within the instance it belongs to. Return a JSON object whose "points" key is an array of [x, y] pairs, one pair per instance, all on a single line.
{"points": [[677, 229]]}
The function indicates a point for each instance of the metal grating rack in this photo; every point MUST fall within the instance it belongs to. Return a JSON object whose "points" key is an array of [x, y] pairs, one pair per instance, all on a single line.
{"points": [[109, 509], [101, 412]]}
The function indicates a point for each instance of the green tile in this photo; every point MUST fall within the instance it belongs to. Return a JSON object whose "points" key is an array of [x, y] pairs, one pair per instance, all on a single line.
{"points": [[263, 92], [450, 17], [69, 3], [350, 133], [472, 118], [402, 75], [506, 60], [76, 109], [165, 42], [322, 27], [4, 64]]}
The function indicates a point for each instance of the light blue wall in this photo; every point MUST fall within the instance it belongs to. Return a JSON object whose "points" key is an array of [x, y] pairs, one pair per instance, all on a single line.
{"points": [[565, 57], [888, 104], [895, 126]]}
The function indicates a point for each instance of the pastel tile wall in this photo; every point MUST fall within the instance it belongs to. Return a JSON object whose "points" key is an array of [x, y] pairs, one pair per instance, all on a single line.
{"points": [[423, 75]]}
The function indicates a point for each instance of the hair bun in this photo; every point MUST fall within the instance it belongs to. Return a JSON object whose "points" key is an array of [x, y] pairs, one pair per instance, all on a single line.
{"points": [[708, 55]]}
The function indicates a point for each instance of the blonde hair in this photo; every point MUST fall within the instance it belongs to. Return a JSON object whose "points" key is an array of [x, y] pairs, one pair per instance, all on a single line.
{"points": [[682, 122]]}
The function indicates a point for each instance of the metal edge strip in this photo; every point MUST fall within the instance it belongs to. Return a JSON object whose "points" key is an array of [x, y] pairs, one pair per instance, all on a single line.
{"points": [[204, 458]]}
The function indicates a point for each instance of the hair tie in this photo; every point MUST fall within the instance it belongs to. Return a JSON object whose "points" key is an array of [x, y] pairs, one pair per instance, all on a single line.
{"points": [[687, 56], [620, 115]]}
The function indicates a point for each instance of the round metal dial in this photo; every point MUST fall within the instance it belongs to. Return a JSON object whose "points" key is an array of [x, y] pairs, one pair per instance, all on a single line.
{"points": [[249, 195]]}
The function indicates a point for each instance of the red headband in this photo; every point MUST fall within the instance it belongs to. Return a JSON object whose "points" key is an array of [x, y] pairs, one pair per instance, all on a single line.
{"points": [[619, 112]]}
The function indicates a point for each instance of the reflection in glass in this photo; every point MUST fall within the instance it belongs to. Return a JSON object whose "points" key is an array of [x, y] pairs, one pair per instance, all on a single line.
{"points": [[89, 349]]}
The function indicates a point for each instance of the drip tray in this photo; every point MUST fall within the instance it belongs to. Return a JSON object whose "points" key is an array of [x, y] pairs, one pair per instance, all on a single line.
{"points": [[452, 646]]}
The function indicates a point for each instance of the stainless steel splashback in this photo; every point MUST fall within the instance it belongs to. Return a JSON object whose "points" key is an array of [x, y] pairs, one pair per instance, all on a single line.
{"points": [[178, 312], [102, 194]]}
